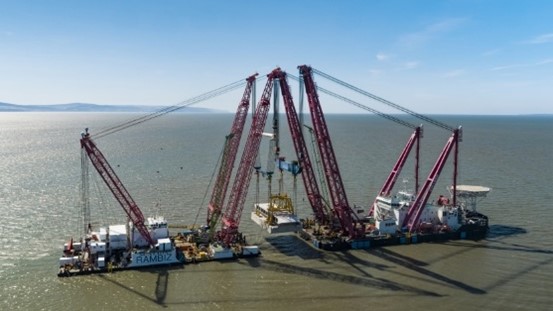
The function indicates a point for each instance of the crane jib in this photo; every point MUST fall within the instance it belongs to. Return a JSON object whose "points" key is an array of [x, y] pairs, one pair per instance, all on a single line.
{"points": [[115, 185]]}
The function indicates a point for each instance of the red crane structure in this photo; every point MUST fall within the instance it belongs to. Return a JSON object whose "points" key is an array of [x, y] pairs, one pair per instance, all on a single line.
{"points": [[308, 174], [413, 139], [386, 189], [416, 208], [115, 186], [235, 206], [347, 218], [229, 156]]}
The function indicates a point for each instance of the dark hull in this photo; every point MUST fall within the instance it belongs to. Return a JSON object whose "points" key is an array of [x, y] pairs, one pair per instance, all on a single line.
{"points": [[475, 230]]}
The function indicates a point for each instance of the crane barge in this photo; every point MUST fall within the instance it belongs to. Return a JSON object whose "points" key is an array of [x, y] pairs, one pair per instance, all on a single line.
{"points": [[139, 243], [394, 219], [144, 242], [413, 218]]}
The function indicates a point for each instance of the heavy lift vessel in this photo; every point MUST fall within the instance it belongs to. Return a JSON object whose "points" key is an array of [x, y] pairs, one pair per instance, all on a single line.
{"points": [[408, 217], [138, 243], [393, 219], [145, 242]]}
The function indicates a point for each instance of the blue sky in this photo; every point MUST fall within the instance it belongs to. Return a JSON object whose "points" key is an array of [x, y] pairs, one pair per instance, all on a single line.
{"points": [[436, 57]]}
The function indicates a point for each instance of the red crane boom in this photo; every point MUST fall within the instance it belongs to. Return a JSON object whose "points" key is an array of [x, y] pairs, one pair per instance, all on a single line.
{"points": [[415, 210], [337, 191], [115, 185], [396, 170], [233, 211], [308, 175], [229, 156]]}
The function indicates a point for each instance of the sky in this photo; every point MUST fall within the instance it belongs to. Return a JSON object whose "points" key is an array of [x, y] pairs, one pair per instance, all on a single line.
{"points": [[433, 57]]}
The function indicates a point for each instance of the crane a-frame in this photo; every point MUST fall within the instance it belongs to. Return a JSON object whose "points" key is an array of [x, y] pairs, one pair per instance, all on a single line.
{"points": [[415, 209], [235, 205], [308, 174]]}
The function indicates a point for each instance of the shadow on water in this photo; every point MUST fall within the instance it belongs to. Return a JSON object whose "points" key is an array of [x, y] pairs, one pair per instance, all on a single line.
{"points": [[162, 284], [516, 274], [494, 239], [496, 231], [292, 245], [254, 262], [355, 262], [416, 266], [503, 246], [495, 234], [344, 278]]}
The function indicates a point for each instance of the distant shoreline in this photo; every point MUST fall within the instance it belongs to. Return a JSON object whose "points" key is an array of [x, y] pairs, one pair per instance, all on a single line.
{"points": [[84, 107]]}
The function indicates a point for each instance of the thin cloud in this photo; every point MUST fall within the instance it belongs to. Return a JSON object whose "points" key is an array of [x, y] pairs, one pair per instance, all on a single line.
{"points": [[454, 73], [540, 63], [431, 31], [545, 38], [507, 67], [380, 56]]}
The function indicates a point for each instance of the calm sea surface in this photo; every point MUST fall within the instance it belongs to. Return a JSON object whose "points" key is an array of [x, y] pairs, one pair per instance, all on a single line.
{"points": [[167, 165]]}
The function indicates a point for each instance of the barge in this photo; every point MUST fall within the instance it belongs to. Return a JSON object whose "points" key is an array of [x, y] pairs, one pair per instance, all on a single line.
{"points": [[440, 221], [140, 242], [121, 247]]}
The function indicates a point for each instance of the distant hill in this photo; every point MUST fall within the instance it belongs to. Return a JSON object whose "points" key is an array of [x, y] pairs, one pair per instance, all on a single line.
{"points": [[83, 107]]}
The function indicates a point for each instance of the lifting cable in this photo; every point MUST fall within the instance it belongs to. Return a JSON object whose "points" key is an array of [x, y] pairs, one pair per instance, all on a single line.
{"points": [[384, 115], [384, 101], [166, 110], [202, 206]]}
